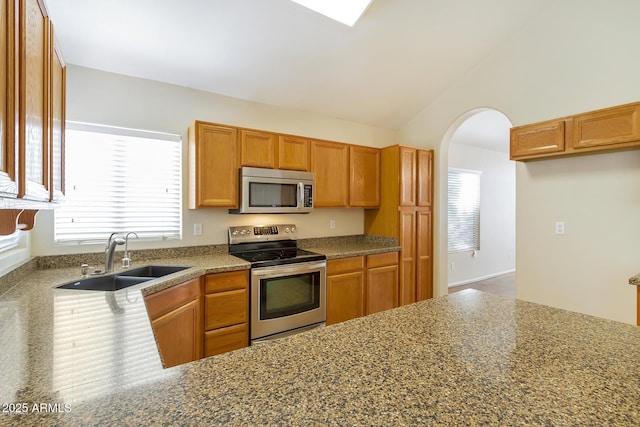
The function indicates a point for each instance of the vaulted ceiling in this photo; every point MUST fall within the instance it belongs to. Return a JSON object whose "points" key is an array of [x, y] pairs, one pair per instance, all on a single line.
{"points": [[398, 57]]}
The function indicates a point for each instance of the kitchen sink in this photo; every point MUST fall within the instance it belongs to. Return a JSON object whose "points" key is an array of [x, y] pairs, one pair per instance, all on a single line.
{"points": [[105, 283], [153, 271], [122, 280]]}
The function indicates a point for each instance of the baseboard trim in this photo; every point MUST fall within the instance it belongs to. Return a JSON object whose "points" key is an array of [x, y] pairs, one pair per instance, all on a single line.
{"points": [[477, 279]]}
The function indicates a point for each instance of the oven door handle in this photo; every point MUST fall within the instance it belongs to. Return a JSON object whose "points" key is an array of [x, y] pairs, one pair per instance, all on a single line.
{"points": [[281, 271], [300, 195]]}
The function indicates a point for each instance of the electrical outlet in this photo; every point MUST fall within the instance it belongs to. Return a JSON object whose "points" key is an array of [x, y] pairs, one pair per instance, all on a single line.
{"points": [[559, 227], [332, 224], [197, 229], [453, 265]]}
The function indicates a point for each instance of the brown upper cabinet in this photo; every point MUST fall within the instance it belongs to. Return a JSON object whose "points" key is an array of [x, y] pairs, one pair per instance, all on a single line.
{"points": [[213, 167], [330, 165], [364, 176], [293, 153], [9, 95], [32, 86], [609, 129], [257, 149]]}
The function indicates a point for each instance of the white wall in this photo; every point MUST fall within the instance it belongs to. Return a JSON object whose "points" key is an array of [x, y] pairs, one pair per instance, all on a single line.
{"points": [[497, 215], [576, 56], [117, 100]]}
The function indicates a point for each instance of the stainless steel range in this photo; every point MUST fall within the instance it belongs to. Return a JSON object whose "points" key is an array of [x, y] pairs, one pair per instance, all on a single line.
{"points": [[288, 285]]}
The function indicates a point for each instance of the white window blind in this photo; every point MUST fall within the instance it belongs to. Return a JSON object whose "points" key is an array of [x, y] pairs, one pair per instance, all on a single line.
{"points": [[10, 241], [464, 210], [120, 180]]}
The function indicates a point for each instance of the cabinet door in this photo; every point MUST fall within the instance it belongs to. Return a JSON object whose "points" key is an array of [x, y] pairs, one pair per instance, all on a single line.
{"points": [[424, 261], [330, 165], [222, 340], [226, 308], [364, 176], [293, 153], [538, 139], [345, 297], [407, 294], [176, 319], [424, 176], [257, 149], [34, 78], [381, 289], [56, 122], [408, 176], [213, 167], [8, 95], [607, 128], [178, 334]]}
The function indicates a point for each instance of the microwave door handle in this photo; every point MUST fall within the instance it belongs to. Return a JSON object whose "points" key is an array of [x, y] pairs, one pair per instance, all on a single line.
{"points": [[300, 195]]}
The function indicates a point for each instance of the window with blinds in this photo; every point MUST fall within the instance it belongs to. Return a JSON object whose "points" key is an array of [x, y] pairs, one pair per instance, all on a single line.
{"points": [[10, 241], [120, 180], [464, 210]]}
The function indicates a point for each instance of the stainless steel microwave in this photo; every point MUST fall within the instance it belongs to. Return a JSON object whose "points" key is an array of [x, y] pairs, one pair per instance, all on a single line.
{"points": [[274, 191]]}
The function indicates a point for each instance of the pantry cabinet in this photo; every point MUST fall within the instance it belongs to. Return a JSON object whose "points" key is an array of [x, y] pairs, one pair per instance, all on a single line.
{"points": [[226, 312], [406, 213], [608, 129], [330, 165], [364, 176], [176, 319], [213, 166]]}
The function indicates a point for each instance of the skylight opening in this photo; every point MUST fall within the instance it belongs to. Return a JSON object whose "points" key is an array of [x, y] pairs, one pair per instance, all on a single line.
{"points": [[346, 12]]}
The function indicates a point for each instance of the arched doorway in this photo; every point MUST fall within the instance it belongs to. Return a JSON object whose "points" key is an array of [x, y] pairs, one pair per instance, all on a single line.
{"points": [[477, 144]]}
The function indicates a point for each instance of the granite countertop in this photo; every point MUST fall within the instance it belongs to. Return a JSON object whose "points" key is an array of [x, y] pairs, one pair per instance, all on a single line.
{"points": [[348, 246], [464, 359]]}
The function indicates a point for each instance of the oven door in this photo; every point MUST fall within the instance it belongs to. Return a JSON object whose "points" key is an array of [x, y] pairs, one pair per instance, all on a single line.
{"points": [[287, 297]]}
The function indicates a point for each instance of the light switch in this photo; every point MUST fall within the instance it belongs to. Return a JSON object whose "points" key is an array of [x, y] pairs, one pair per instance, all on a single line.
{"points": [[197, 229], [559, 227]]}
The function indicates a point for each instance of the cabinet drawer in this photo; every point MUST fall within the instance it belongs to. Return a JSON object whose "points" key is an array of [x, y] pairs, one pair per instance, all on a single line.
{"points": [[225, 308], [345, 265], [222, 340], [381, 260], [219, 282], [167, 300]]}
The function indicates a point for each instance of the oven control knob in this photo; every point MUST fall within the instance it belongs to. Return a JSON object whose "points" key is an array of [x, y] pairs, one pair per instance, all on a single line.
{"points": [[293, 229], [286, 230], [235, 233]]}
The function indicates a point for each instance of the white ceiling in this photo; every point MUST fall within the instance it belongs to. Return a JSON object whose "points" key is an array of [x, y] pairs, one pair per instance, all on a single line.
{"points": [[397, 58]]}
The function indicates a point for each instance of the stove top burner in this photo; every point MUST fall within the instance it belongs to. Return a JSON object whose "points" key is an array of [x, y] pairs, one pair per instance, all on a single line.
{"points": [[265, 246]]}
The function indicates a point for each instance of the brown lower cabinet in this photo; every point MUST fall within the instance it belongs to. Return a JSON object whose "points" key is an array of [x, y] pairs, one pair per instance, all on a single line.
{"points": [[176, 319], [200, 318], [361, 285], [226, 312]]}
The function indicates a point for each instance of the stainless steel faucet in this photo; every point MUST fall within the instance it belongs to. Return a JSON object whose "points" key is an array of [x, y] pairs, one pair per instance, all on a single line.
{"points": [[110, 250], [126, 260]]}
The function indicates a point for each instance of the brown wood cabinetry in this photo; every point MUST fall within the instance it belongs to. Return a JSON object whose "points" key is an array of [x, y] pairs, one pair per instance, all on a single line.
{"points": [[293, 153], [176, 319], [609, 129], [345, 289], [226, 312], [213, 166], [9, 97], [57, 101], [330, 165], [361, 285], [257, 149], [381, 282], [364, 176], [406, 213]]}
